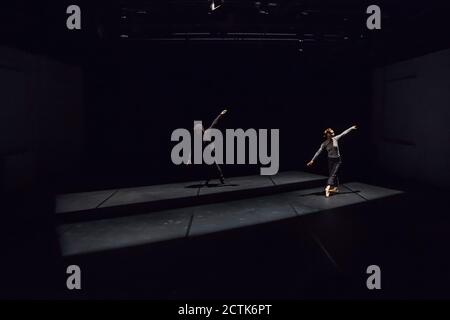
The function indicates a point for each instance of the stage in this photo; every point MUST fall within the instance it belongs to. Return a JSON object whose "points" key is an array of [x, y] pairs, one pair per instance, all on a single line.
{"points": [[117, 202], [114, 113], [127, 217], [279, 238]]}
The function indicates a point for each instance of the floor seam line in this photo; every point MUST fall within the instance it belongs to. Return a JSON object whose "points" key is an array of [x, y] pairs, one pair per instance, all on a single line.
{"points": [[355, 192], [190, 225], [110, 196], [273, 182], [319, 243]]}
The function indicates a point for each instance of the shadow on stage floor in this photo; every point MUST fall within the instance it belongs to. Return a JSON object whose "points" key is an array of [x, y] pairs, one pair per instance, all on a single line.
{"points": [[294, 244]]}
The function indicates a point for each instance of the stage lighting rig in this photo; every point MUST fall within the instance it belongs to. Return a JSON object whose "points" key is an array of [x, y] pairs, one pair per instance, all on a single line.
{"points": [[215, 4]]}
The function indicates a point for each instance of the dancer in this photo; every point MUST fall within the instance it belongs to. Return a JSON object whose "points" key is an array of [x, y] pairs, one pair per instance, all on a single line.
{"points": [[216, 165], [334, 157], [219, 170]]}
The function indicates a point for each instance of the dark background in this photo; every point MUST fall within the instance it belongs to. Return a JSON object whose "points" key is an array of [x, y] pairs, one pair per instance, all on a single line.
{"points": [[89, 109], [144, 92], [129, 94]]}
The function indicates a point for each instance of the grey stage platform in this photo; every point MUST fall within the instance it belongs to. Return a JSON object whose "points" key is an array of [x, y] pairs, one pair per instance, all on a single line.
{"points": [[126, 201], [136, 230]]}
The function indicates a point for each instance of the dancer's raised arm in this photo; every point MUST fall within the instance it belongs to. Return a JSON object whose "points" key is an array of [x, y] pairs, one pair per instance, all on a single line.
{"points": [[345, 132], [213, 124]]}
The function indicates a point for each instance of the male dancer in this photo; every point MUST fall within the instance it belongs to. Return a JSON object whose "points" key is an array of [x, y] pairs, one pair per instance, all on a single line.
{"points": [[334, 157], [218, 169]]}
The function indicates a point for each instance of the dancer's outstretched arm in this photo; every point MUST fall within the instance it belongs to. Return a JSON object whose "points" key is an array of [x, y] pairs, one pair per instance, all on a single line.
{"points": [[213, 124], [345, 132], [322, 146]]}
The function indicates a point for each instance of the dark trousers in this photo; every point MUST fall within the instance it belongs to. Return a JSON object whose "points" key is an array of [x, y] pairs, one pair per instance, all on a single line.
{"points": [[333, 167], [215, 170], [208, 172]]}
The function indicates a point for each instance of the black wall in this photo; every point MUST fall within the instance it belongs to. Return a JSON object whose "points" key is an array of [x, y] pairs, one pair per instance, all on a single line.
{"points": [[411, 117], [41, 142], [41, 119], [138, 93]]}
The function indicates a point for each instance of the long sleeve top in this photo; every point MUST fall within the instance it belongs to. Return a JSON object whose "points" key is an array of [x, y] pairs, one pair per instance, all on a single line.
{"points": [[214, 123], [331, 145], [212, 126], [206, 134]]}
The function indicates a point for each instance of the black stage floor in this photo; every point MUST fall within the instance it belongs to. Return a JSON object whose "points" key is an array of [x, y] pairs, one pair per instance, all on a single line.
{"points": [[292, 244], [118, 202], [137, 229]]}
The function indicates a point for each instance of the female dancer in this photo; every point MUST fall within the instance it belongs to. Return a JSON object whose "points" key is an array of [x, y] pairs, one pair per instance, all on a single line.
{"points": [[334, 157]]}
